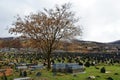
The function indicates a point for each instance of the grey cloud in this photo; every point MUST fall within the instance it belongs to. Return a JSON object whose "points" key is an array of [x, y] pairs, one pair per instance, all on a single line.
{"points": [[100, 18]]}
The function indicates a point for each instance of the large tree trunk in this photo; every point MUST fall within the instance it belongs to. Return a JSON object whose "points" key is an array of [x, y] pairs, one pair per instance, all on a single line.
{"points": [[48, 62]]}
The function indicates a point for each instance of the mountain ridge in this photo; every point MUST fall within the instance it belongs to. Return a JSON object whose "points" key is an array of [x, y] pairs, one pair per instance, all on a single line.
{"points": [[74, 45], [77, 40]]}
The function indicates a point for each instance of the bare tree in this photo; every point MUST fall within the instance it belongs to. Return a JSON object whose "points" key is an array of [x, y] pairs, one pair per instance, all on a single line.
{"points": [[46, 28]]}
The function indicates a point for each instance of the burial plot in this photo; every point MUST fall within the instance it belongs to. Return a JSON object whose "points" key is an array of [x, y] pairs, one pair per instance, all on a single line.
{"points": [[23, 78], [36, 67], [74, 68], [21, 67], [59, 67], [68, 68]]}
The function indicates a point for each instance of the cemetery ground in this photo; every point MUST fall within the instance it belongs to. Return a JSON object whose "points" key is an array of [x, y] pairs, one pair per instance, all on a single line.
{"points": [[111, 63], [112, 71]]}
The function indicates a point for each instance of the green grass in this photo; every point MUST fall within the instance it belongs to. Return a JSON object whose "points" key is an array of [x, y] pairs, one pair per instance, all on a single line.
{"points": [[91, 71]]}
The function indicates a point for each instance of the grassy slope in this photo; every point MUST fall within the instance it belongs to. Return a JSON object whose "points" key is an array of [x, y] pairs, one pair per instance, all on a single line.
{"points": [[91, 71]]}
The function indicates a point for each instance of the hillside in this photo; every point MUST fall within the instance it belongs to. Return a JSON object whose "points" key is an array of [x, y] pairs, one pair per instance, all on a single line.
{"points": [[70, 46], [115, 42]]}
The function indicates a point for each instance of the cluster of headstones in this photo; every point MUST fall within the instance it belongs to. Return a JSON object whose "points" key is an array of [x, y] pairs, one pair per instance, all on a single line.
{"points": [[87, 59], [81, 58]]}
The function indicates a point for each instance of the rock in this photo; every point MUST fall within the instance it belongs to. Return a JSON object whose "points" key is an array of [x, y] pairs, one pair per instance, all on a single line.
{"points": [[91, 78]]}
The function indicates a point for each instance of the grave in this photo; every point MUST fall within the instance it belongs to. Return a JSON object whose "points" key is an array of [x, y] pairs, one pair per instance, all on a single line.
{"points": [[21, 67], [59, 67], [36, 67], [23, 78], [68, 68], [74, 68], [7, 72]]}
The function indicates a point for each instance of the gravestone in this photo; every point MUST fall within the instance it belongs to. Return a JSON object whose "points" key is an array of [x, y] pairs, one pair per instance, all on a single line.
{"points": [[24, 74]]}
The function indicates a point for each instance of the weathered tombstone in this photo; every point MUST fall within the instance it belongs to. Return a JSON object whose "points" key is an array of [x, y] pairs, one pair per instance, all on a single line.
{"points": [[24, 74], [44, 64], [103, 70], [87, 64], [80, 63]]}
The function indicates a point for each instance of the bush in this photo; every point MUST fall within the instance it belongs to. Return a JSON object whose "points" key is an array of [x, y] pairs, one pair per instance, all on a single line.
{"points": [[103, 70]]}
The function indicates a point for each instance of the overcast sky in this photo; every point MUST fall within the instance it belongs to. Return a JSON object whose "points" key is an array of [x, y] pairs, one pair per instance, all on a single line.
{"points": [[100, 19]]}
